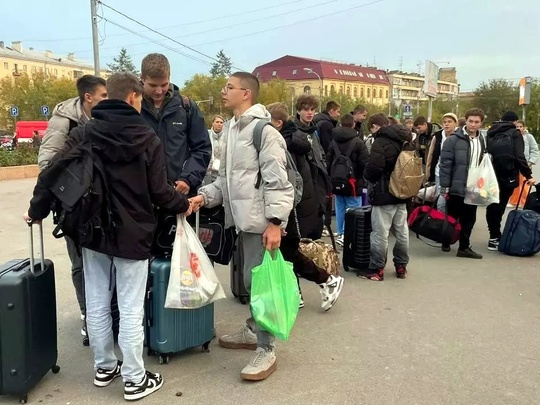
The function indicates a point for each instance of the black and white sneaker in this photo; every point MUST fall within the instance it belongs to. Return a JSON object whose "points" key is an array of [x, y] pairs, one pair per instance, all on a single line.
{"points": [[493, 244], [149, 384], [105, 377]]}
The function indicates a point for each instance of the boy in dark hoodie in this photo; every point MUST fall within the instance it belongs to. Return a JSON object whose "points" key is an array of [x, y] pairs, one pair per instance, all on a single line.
{"points": [[346, 142], [506, 146], [389, 213], [134, 166], [304, 218]]}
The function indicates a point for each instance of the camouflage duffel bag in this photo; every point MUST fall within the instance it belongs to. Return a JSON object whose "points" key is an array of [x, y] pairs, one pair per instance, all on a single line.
{"points": [[323, 254]]}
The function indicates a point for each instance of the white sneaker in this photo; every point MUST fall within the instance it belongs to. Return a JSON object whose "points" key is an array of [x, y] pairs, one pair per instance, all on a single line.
{"points": [[330, 291], [340, 240], [301, 305], [149, 384], [325, 233], [262, 364]]}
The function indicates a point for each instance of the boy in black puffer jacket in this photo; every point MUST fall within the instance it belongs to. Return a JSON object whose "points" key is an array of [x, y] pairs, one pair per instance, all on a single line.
{"points": [[346, 142], [388, 212]]}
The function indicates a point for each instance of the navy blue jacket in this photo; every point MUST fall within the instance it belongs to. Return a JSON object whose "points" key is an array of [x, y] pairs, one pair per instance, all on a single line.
{"points": [[185, 139]]}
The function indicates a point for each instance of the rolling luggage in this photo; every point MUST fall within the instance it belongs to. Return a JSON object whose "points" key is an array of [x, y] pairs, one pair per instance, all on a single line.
{"points": [[28, 331], [170, 331], [238, 287], [356, 239]]}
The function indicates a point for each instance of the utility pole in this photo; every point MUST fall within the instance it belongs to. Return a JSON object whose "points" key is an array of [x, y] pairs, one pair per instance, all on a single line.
{"points": [[95, 40]]}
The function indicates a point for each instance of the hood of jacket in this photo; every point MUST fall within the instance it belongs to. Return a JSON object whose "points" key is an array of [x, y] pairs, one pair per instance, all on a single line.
{"points": [[216, 136], [500, 127], [289, 127], [309, 128], [344, 134], [324, 116], [119, 128], [72, 110], [397, 133], [257, 111]]}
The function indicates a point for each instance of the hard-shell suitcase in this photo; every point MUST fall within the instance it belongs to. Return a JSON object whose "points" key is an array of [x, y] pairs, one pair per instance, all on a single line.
{"points": [[28, 331], [238, 287], [356, 239], [170, 331]]}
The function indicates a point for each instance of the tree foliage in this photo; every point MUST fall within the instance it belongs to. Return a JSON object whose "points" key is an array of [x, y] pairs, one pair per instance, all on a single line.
{"points": [[202, 88], [496, 97], [30, 93], [223, 66], [123, 63]]}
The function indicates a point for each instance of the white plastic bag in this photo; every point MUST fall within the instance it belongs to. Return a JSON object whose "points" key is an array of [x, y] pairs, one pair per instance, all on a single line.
{"points": [[482, 186], [193, 282], [427, 194]]}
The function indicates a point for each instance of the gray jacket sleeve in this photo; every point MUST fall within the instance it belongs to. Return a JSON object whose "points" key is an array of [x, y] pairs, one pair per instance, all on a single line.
{"points": [[446, 166], [213, 193], [278, 191], [533, 149], [54, 139]]}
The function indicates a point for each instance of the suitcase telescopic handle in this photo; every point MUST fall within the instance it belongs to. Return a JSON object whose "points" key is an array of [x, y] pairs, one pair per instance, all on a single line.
{"points": [[41, 248]]}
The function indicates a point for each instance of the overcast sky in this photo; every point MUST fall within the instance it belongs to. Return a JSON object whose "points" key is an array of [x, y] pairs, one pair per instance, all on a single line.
{"points": [[483, 39]]}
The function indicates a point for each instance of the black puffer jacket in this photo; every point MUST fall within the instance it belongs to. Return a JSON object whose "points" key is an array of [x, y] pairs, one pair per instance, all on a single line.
{"points": [[325, 124], [343, 138], [511, 180], [134, 165], [382, 160], [455, 161]]}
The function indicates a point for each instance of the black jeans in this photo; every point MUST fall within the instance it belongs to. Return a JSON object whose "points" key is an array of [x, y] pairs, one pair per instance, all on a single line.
{"points": [[495, 212], [76, 272], [302, 265], [466, 215]]}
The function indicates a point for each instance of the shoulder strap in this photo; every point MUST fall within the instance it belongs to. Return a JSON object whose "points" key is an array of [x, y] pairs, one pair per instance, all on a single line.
{"points": [[351, 147], [258, 133], [337, 151], [186, 103], [72, 124]]}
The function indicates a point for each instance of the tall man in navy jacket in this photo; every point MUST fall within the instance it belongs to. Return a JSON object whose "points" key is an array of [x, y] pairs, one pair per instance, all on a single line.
{"points": [[179, 124]]}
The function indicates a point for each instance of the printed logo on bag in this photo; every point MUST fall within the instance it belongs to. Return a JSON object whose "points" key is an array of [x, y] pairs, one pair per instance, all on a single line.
{"points": [[195, 264], [187, 278]]}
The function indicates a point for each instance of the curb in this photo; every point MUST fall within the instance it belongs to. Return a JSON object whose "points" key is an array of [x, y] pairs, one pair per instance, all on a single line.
{"points": [[18, 172]]}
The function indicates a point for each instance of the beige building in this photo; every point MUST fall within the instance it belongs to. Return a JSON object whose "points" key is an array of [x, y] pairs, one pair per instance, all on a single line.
{"points": [[408, 86], [15, 61]]}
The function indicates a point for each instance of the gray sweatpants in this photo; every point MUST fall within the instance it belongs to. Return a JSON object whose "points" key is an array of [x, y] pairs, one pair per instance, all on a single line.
{"points": [[130, 279], [253, 252], [386, 219]]}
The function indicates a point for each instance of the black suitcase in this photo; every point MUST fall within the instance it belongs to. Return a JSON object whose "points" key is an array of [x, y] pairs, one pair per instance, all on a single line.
{"points": [[28, 331], [356, 244], [238, 287]]}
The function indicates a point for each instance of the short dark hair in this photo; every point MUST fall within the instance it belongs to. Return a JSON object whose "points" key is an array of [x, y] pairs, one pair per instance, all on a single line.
{"points": [[359, 109], [306, 101], [462, 121], [121, 85], [155, 66], [420, 121], [475, 112], [347, 121], [379, 119], [393, 121], [332, 105], [250, 82], [88, 84]]}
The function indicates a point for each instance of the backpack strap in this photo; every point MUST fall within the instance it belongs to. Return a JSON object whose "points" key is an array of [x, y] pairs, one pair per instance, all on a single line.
{"points": [[72, 124], [351, 148], [186, 104], [257, 143]]}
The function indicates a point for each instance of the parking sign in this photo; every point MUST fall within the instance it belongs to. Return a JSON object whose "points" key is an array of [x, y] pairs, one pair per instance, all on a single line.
{"points": [[45, 110], [14, 111]]}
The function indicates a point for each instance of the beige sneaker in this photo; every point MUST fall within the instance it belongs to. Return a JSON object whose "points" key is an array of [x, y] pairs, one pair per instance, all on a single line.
{"points": [[243, 339], [262, 364]]}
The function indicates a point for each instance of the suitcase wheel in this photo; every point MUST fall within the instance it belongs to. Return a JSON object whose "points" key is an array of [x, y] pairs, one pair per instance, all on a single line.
{"points": [[163, 359], [206, 347], [23, 400], [55, 369], [244, 300], [86, 342], [345, 267]]}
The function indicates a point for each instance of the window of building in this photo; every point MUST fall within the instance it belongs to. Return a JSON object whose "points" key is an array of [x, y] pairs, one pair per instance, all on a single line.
{"points": [[325, 89], [349, 91], [332, 90], [307, 90], [6, 65], [368, 92], [380, 93], [361, 92], [386, 93], [355, 92], [340, 89], [33, 69], [56, 72], [15, 67], [294, 71], [274, 73], [24, 68]]}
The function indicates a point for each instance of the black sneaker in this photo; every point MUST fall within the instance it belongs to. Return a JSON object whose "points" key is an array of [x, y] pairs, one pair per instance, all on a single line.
{"points": [[468, 253], [493, 244], [105, 377], [149, 384]]}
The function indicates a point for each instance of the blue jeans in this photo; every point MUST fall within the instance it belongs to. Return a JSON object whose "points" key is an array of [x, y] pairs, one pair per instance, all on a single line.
{"points": [[342, 204], [386, 219]]}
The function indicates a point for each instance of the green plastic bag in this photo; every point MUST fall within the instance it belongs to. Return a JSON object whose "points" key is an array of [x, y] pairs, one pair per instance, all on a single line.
{"points": [[275, 298]]}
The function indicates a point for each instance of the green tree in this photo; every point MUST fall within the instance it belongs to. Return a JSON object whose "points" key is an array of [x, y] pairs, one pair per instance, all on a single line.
{"points": [[274, 91], [30, 93], [496, 97], [123, 63], [206, 91], [223, 65]]}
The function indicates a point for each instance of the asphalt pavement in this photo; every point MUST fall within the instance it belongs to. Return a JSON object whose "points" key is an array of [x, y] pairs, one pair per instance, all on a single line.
{"points": [[456, 331]]}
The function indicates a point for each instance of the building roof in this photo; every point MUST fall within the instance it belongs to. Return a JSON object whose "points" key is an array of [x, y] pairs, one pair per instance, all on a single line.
{"points": [[17, 51], [292, 68]]}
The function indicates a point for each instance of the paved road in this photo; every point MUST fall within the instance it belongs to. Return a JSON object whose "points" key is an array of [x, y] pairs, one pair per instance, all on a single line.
{"points": [[455, 332]]}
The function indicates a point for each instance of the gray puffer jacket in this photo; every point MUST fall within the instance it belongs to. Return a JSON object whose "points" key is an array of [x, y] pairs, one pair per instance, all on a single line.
{"points": [[455, 162], [58, 128]]}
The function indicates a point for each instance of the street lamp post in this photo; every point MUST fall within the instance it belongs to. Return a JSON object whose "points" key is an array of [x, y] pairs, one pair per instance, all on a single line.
{"points": [[309, 70]]}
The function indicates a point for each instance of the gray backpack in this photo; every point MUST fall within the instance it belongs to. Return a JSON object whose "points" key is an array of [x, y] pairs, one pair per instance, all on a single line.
{"points": [[292, 172]]}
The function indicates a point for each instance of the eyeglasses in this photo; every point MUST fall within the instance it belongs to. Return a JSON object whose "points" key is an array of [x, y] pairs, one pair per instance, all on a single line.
{"points": [[226, 89]]}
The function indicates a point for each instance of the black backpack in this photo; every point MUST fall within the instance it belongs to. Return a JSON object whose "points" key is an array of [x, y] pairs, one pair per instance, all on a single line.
{"points": [[501, 148], [342, 171], [82, 207]]}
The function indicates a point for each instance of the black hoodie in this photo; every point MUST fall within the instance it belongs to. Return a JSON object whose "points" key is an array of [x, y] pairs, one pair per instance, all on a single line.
{"points": [[343, 138], [136, 174], [510, 179], [325, 124], [385, 150]]}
